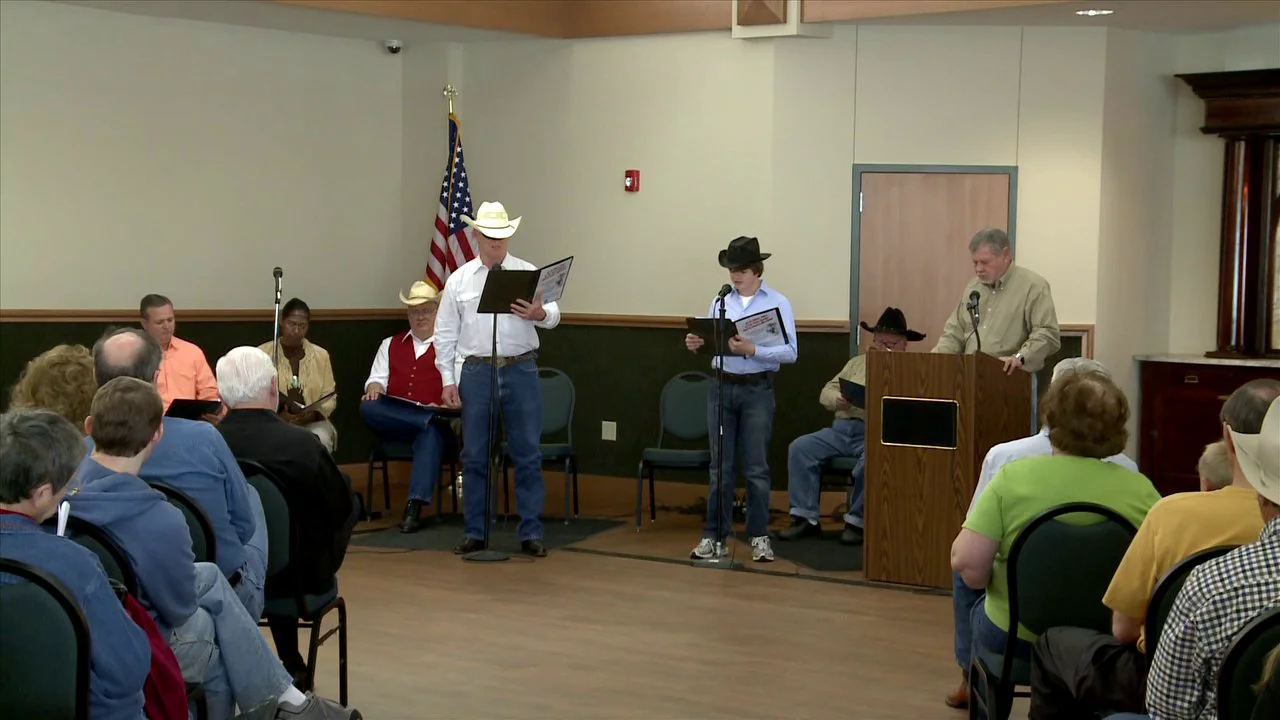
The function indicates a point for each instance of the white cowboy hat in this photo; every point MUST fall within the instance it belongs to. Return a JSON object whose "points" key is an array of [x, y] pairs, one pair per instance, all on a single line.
{"points": [[491, 220], [421, 292], [1259, 455]]}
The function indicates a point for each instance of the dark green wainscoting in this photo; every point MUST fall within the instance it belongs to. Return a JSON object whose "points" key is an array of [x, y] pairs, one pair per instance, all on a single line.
{"points": [[618, 373]]}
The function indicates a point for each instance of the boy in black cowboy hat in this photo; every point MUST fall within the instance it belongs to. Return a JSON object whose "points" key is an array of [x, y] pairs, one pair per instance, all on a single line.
{"points": [[845, 438], [748, 402]]}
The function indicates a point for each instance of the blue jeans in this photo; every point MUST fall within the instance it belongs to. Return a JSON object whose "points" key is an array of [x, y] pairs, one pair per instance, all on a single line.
{"points": [[253, 574], [220, 646], [520, 397], [396, 422], [748, 426], [963, 600], [845, 438]]}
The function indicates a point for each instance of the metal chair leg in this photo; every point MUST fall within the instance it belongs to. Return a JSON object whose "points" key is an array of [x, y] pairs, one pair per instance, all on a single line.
{"points": [[568, 491], [639, 495], [653, 501], [574, 460]]}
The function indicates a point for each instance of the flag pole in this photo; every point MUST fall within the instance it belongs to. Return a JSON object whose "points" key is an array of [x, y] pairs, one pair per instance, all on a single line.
{"points": [[450, 92]]}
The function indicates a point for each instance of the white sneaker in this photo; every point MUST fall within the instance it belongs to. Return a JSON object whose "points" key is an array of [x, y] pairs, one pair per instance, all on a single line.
{"points": [[761, 549], [705, 551]]}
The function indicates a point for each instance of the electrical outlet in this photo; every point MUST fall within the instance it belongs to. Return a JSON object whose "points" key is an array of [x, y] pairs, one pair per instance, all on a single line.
{"points": [[608, 430]]}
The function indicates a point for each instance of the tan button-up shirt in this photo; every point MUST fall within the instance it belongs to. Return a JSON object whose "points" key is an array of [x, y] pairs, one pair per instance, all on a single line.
{"points": [[315, 375], [1015, 315], [854, 371]]}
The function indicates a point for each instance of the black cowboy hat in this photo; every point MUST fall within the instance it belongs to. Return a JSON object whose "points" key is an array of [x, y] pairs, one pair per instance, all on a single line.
{"points": [[742, 251], [893, 321]]}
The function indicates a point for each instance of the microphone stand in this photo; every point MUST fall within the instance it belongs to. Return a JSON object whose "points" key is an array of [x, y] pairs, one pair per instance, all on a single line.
{"points": [[973, 318], [275, 332], [488, 554], [719, 558]]}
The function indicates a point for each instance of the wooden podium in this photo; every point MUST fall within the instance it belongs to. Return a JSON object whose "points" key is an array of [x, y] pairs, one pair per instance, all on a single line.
{"points": [[930, 420]]}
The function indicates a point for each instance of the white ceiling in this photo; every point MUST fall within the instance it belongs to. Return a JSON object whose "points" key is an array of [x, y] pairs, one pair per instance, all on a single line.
{"points": [[1170, 16], [1166, 16]]}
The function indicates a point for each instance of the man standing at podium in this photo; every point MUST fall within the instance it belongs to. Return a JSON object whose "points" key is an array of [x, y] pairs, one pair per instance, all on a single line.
{"points": [[845, 438], [1006, 309]]}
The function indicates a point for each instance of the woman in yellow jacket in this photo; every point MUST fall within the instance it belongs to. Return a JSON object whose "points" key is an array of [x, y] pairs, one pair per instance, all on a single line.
{"points": [[305, 375]]}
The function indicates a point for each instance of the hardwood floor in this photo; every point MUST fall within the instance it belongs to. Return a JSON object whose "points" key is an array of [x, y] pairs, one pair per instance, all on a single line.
{"points": [[584, 636], [592, 636]]}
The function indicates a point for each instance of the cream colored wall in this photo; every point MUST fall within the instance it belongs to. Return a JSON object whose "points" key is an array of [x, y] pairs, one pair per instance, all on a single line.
{"points": [[1197, 181], [759, 137], [140, 154], [1135, 232]]}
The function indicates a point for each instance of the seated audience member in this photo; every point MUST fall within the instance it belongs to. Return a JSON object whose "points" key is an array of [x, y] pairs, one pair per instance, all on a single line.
{"points": [[196, 460], [39, 453], [216, 642], [321, 497], [1223, 595], [405, 367], [964, 598], [1079, 673], [1086, 415], [305, 374], [184, 372], [845, 438], [59, 380]]}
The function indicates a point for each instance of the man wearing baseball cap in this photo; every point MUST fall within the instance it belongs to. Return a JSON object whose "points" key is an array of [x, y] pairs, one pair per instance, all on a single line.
{"points": [[1221, 596]]}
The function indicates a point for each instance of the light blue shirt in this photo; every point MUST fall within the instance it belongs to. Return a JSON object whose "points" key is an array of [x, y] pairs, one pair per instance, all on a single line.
{"points": [[1004, 453], [766, 359]]}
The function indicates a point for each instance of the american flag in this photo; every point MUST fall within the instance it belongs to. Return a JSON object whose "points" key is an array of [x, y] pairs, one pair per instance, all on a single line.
{"points": [[451, 242]]}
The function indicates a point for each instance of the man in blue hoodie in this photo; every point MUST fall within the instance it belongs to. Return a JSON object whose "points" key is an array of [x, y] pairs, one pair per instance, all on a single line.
{"points": [[196, 460], [213, 637], [39, 452]]}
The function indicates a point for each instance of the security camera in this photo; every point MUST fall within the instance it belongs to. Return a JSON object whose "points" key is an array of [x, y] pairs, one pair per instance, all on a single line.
{"points": [[393, 46]]}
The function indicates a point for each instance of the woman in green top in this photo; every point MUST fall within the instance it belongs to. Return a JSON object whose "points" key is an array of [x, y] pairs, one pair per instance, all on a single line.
{"points": [[1086, 416]]}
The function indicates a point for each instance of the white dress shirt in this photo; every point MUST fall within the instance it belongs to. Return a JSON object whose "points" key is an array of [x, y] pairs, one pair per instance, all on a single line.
{"points": [[381, 371], [461, 332], [1004, 453]]}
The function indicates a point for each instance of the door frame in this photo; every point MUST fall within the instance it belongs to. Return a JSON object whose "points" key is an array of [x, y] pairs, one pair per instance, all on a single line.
{"points": [[855, 240]]}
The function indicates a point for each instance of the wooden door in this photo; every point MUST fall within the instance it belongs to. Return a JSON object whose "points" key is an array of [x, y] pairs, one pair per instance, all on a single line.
{"points": [[914, 242]]}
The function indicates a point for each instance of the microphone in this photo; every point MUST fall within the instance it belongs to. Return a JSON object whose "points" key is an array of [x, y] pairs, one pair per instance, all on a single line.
{"points": [[724, 291], [277, 273], [973, 304]]}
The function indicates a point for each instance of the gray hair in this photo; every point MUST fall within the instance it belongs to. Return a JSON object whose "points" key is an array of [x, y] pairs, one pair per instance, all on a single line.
{"points": [[245, 375], [126, 352], [1078, 366], [994, 238], [1246, 408], [36, 447], [1215, 465]]}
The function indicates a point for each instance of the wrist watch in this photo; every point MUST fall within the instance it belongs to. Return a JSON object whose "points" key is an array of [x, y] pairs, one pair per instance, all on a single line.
{"points": [[1021, 360]]}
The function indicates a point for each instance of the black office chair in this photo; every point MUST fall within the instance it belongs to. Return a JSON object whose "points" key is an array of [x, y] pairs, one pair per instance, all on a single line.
{"points": [[44, 646], [307, 610], [1167, 590], [682, 413], [559, 398], [204, 541], [384, 453], [1057, 574], [1242, 665]]}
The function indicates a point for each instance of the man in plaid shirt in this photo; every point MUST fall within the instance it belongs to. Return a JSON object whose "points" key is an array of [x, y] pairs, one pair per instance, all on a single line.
{"points": [[1221, 596]]}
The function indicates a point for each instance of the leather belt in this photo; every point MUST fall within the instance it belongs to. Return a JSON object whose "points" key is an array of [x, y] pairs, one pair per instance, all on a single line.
{"points": [[502, 360], [747, 378]]}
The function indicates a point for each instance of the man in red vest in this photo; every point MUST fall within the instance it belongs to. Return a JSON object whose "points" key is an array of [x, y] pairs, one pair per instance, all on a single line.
{"points": [[405, 370]]}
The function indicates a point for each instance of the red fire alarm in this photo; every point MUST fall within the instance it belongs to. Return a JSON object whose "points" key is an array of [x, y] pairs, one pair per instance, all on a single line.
{"points": [[631, 181]]}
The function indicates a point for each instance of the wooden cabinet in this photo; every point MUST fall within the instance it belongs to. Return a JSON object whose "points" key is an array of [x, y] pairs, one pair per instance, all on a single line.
{"points": [[1181, 402]]}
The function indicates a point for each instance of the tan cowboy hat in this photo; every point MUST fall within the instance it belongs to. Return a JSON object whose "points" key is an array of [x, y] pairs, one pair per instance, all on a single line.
{"points": [[1259, 455], [421, 292], [491, 220]]}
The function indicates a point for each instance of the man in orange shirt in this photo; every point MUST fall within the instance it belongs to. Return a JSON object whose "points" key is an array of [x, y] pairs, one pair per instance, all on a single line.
{"points": [[184, 372]]}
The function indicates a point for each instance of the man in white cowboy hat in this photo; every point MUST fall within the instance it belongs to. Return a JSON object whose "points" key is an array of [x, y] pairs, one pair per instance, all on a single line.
{"points": [[748, 402], [405, 367], [465, 337], [1223, 595]]}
